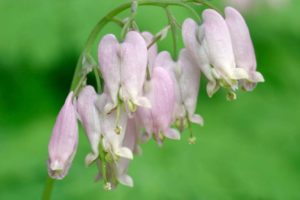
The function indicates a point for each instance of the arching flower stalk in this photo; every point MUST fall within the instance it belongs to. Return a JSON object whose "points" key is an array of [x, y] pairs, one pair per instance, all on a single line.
{"points": [[146, 93]]}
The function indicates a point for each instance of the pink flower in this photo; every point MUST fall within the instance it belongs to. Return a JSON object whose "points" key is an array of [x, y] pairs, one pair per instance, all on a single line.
{"points": [[123, 67], [112, 138], [63, 143], [211, 48], [186, 78], [242, 47], [90, 119], [157, 119]]}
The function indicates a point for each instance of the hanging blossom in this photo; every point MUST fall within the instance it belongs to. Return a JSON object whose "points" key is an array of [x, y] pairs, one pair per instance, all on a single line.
{"points": [[123, 67], [243, 48], [186, 78], [216, 50], [161, 93], [146, 93]]}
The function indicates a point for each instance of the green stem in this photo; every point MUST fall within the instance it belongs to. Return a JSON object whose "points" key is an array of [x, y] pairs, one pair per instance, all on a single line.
{"points": [[172, 23], [97, 77], [48, 189]]}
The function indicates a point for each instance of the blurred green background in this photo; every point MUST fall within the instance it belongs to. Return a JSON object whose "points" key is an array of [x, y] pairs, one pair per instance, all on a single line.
{"points": [[248, 149]]}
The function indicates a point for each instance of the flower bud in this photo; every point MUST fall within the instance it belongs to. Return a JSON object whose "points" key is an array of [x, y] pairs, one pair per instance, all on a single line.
{"points": [[63, 143]]}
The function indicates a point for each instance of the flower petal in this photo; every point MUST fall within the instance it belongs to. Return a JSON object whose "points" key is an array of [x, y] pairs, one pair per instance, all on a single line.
{"points": [[242, 45], [110, 63], [172, 134], [189, 81], [63, 143], [134, 63], [89, 116]]}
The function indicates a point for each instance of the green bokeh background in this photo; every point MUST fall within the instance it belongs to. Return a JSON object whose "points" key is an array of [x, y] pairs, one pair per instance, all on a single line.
{"points": [[248, 149]]}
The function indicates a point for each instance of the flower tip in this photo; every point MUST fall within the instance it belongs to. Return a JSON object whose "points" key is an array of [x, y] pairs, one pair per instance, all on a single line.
{"points": [[172, 134], [89, 159], [125, 153], [197, 119], [125, 180]]}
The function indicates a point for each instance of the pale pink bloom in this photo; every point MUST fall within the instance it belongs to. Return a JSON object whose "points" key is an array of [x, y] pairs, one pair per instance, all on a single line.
{"points": [[242, 47], [123, 67], [112, 138], [186, 77], [90, 119], [63, 143], [210, 46], [157, 119]]}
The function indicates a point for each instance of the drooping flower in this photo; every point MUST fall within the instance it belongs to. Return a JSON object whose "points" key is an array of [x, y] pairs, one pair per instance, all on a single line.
{"points": [[113, 136], [186, 77], [210, 45], [242, 47], [63, 143], [123, 67], [90, 119], [157, 119]]}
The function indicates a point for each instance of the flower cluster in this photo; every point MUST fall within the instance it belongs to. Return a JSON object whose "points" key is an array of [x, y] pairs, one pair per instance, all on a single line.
{"points": [[148, 95]]}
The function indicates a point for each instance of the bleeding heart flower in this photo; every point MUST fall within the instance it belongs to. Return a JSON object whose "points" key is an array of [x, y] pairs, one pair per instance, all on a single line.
{"points": [[123, 67], [242, 48], [63, 143], [161, 93], [210, 45], [186, 77], [113, 126]]}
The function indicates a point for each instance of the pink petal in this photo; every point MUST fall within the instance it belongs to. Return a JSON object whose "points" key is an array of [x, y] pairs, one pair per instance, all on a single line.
{"points": [[89, 116], [109, 51], [195, 47], [63, 143], [242, 44], [162, 99], [165, 61], [134, 63], [189, 82]]}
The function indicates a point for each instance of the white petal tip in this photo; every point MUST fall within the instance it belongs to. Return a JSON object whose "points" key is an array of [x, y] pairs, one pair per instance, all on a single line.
{"points": [[143, 102], [197, 119], [125, 153], [172, 134], [126, 180], [90, 158]]}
